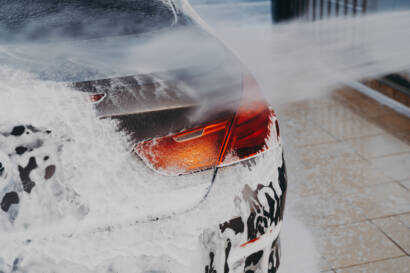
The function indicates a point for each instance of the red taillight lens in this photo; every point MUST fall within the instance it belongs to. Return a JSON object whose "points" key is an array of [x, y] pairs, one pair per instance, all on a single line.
{"points": [[97, 97], [224, 142], [251, 127]]}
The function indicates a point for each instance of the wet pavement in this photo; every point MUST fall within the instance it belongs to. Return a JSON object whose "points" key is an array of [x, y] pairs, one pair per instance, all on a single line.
{"points": [[349, 180], [348, 163]]}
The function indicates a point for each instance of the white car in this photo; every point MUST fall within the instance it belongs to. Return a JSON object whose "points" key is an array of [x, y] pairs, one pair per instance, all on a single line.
{"points": [[210, 182]]}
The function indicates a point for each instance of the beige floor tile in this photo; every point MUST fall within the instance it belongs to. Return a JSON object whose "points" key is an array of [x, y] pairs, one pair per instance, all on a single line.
{"points": [[343, 123], [398, 231], [299, 132], [319, 102], [315, 181], [381, 200], [395, 122], [406, 184], [396, 265], [363, 104], [331, 113], [405, 219], [325, 154], [356, 175], [336, 176], [380, 145], [371, 109], [347, 129], [349, 94], [290, 109], [326, 210], [330, 168], [303, 109], [291, 113], [397, 167], [355, 244], [335, 190], [404, 136], [324, 265], [303, 113]]}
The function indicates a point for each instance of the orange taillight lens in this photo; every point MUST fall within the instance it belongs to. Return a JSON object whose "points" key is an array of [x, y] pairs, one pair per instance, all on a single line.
{"points": [[189, 151], [220, 143]]}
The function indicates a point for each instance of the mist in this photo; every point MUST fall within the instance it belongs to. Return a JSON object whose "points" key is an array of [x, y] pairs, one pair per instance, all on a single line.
{"points": [[291, 61], [298, 60]]}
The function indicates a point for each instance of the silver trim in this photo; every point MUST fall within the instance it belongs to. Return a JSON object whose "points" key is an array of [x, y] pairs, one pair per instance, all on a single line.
{"points": [[377, 96]]}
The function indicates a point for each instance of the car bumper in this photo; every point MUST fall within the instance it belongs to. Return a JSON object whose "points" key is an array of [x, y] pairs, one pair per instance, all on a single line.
{"points": [[246, 199], [250, 241]]}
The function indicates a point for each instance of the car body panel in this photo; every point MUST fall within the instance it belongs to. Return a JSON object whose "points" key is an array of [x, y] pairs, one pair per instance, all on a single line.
{"points": [[253, 190], [223, 219]]}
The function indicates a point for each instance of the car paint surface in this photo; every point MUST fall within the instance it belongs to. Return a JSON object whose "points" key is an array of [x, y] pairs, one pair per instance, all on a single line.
{"points": [[250, 193], [225, 219]]}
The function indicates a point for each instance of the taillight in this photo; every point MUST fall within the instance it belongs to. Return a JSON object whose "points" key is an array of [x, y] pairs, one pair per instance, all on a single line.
{"points": [[189, 151], [251, 127], [95, 98], [223, 142]]}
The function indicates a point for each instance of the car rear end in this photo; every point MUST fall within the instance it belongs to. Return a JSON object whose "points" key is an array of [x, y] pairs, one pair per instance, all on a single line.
{"points": [[234, 140], [210, 180]]}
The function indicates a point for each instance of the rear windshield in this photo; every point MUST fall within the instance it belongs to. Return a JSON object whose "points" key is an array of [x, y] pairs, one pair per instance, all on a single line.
{"points": [[48, 19]]}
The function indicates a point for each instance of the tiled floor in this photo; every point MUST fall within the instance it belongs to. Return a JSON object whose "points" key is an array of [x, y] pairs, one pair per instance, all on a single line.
{"points": [[349, 180], [348, 163]]}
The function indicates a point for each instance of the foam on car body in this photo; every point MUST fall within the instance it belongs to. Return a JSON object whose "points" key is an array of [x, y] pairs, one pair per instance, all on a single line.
{"points": [[261, 206], [29, 158]]}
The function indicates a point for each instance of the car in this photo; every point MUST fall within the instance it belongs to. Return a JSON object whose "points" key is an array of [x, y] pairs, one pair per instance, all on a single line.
{"points": [[209, 188]]}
